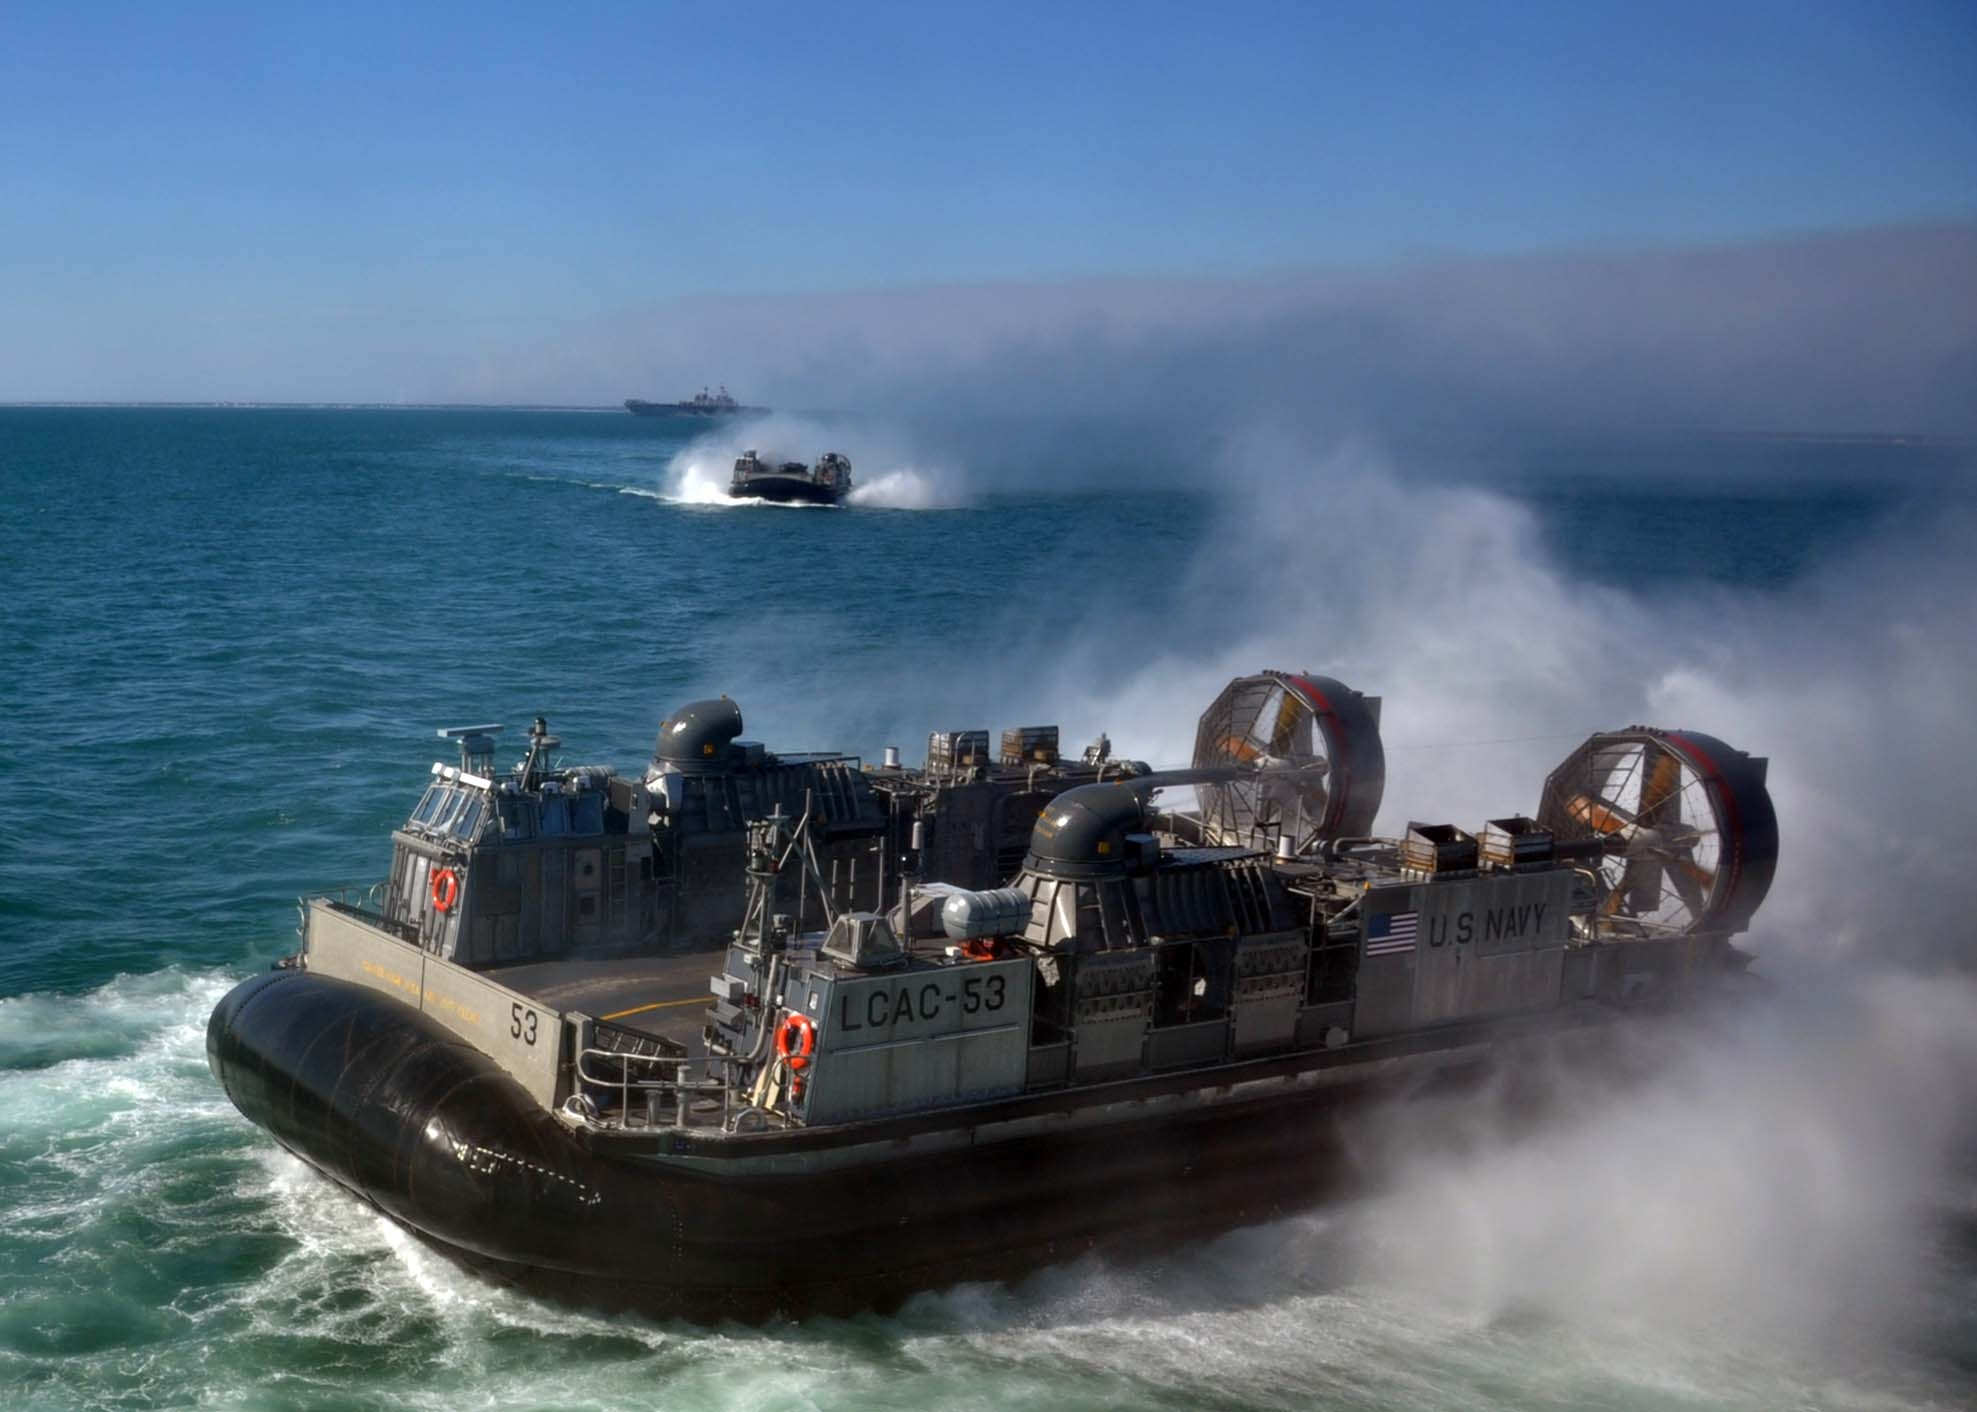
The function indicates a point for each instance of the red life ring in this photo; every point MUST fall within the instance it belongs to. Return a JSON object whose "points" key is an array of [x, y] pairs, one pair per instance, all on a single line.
{"points": [[796, 1040], [445, 889]]}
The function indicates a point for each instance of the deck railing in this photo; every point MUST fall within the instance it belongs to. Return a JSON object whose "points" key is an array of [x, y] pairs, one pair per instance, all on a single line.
{"points": [[646, 1085], [364, 901]]}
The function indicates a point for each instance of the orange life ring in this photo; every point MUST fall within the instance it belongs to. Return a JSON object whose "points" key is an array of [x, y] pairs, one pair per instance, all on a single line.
{"points": [[796, 1040], [445, 889]]}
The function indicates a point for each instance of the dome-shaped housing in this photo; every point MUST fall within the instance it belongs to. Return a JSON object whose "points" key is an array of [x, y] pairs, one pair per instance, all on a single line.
{"points": [[699, 733], [1095, 830]]}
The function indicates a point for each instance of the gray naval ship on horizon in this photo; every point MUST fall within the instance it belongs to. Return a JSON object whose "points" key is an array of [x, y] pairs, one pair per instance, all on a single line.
{"points": [[978, 1016], [702, 404]]}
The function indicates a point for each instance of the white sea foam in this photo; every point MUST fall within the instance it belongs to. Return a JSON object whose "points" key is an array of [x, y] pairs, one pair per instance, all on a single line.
{"points": [[904, 489]]}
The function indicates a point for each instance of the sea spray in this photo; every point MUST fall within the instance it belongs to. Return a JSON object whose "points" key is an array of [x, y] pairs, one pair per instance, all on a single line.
{"points": [[1493, 661], [1775, 1166]]}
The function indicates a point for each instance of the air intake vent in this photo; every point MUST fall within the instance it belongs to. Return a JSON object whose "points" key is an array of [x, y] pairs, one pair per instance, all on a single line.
{"points": [[954, 750], [1030, 745], [1515, 842], [1438, 848]]}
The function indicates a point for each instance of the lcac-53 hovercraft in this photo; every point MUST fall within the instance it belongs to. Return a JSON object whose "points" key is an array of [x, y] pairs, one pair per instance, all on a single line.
{"points": [[922, 1057]]}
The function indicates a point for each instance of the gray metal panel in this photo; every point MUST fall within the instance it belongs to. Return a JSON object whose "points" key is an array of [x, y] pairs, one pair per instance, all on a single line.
{"points": [[1502, 985], [1579, 980], [1485, 945], [1112, 1047], [924, 1000], [886, 1078], [917, 1038], [1178, 1046], [1384, 1001], [1316, 1021], [1112, 1009], [512, 1029], [1049, 1064], [1269, 988], [553, 903], [1266, 1023], [1490, 945]]}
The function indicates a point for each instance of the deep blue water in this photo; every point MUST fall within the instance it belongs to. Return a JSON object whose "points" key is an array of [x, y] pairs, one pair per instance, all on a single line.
{"points": [[228, 636]]}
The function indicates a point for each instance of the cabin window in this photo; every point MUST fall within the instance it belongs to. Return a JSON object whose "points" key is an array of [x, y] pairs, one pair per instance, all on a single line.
{"points": [[443, 816], [555, 817], [587, 814], [428, 804], [469, 821]]}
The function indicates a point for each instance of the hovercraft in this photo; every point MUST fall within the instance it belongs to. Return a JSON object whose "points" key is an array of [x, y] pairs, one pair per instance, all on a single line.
{"points": [[1150, 1024]]}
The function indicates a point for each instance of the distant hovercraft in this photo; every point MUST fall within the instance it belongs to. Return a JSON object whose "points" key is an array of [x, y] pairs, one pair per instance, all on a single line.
{"points": [[791, 482]]}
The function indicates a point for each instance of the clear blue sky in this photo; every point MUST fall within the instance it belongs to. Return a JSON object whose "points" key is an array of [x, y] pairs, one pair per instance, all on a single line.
{"points": [[500, 161]]}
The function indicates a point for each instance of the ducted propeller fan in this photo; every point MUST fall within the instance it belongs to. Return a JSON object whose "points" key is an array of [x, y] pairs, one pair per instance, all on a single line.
{"points": [[1274, 718], [1689, 839]]}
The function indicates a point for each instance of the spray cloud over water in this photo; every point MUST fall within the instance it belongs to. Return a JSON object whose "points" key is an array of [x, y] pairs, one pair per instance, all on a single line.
{"points": [[1788, 1166], [1493, 659], [1783, 1172], [1780, 1173]]}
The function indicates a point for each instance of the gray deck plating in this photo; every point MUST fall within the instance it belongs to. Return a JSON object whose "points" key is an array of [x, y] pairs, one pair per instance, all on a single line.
{"points": [[659, 995]]}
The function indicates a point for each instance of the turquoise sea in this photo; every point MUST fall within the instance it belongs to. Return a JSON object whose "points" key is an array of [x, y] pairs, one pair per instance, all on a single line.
{"points": [[227, 637]]}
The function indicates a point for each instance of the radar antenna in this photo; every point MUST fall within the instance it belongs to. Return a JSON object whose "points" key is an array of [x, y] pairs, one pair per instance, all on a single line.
{"points": [[476, 746]]}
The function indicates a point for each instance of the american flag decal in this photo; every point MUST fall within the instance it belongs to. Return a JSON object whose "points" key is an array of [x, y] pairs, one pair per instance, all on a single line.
{"points": [[1391, 934]]}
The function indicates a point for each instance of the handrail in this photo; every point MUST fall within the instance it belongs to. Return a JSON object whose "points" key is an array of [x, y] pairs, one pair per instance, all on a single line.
{"points": [[362, 900], [678, 1085], [354, 897]]}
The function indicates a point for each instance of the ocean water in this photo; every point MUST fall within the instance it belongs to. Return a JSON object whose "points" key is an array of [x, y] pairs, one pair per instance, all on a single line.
{"points": [[226, 637]]}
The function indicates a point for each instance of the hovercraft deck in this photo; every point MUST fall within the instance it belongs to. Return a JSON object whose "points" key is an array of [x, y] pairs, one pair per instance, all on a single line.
{"points": [[664, 996]]}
